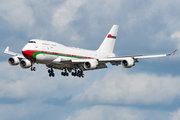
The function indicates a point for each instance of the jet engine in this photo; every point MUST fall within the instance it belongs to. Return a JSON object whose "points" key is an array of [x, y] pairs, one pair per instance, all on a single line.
{"points": [[25, 63], [13, 61], [91, 64], [127, 63]]}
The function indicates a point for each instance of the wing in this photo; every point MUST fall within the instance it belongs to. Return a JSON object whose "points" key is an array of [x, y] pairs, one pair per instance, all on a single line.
{"points": [[112, 59], [117, 60], [102, 61], [6, 51]]}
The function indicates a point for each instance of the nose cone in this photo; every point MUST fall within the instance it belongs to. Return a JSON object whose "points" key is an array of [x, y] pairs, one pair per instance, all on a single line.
{"points": [[28, 54]]}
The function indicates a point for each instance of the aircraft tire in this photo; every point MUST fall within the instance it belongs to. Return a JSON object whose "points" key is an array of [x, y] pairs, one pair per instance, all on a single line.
{"points": [[53, 74], [34, 68], [67, 74], [49, 74]]}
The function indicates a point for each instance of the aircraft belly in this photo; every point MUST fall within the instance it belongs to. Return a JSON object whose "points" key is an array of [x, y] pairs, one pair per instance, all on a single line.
{"points": [[44, 58]]}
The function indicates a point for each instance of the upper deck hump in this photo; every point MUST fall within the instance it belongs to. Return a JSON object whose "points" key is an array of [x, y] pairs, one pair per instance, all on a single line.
{"points": [[46, 42]]}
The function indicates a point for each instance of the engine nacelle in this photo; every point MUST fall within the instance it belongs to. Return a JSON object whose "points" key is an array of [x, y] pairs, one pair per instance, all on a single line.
{"points": [[128, 63], [13, 61], [91, 64], [25, 63]]}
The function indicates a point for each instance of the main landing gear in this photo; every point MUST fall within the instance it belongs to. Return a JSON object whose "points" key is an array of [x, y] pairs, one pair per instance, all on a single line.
{"points": [[65, 73], [51, 72], [78, 73]]}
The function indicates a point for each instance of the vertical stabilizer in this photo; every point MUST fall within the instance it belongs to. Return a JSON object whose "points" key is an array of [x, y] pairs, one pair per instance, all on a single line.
{"points": [[107, 45]]}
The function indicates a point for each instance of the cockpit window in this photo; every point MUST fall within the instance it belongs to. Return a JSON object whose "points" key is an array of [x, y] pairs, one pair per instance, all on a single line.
{"points": [[32, 42]]}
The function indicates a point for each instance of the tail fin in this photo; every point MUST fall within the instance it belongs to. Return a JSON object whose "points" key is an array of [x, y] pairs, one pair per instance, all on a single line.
{"points": [[107, 45]]}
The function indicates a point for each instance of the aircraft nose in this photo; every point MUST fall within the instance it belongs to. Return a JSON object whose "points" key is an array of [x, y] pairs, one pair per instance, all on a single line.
{"points": [[24, 52], [27, 53]]}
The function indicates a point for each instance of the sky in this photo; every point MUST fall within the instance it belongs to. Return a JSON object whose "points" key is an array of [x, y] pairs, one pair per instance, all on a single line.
{"points": [[149, 90]]}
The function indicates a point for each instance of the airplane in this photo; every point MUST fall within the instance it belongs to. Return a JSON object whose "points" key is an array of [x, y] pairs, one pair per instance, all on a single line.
{"points": [[73, 60]]}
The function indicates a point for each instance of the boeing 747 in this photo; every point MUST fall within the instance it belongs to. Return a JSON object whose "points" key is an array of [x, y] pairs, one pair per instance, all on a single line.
{"points": [[73, 60]]}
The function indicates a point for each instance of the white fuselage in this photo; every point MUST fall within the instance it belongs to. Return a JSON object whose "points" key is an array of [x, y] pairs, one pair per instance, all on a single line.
{"points": [[45, 52]]}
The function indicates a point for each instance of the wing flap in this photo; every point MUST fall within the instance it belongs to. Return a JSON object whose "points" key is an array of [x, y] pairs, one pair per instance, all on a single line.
{"points": [[120, 58]]}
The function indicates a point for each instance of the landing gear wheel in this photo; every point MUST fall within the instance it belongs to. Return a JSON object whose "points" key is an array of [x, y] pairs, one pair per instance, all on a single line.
{"points": [[49, 74], [67, 74], [33, 68], [53, 74]]}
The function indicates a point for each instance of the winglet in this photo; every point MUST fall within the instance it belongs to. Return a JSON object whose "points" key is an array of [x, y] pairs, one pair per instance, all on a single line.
{"points": [[6, 50], [172, 53]]}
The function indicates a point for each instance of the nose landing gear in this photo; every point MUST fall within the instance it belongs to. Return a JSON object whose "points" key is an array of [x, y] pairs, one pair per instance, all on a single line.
{"points": [[33, 68]]}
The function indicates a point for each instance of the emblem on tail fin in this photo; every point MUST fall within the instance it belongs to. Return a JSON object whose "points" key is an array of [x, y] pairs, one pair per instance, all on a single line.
{"points": [[110, 36]]}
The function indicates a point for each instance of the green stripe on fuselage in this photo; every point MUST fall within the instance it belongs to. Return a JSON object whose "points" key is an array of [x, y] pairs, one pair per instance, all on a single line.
{"points": [[37, 53]]}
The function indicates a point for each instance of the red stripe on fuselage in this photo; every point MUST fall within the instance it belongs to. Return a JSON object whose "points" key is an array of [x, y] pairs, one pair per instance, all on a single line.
{"points": [[29, 54]]}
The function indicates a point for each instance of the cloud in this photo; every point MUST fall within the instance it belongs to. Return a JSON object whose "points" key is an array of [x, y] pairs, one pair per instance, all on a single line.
{"points": [[176, 35], [176, 38], [20, 83], [32, 109], [66, 13], [17, 13], [175, 115], [103, 112], [120, 87], [63, 16]]}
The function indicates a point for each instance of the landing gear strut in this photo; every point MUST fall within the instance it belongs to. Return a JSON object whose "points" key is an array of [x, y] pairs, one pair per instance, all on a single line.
{"points": [[51, 72], [32, 68]]}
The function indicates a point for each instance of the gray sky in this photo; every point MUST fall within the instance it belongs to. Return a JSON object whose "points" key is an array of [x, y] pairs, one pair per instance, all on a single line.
{"points": [[149, 90]]}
